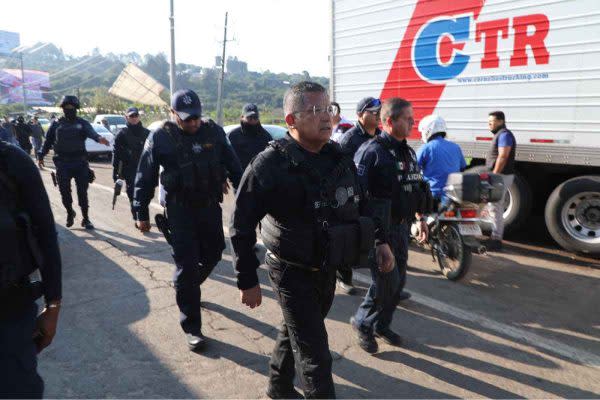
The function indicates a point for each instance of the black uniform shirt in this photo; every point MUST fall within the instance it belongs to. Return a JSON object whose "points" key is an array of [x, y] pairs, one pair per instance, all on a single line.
{"points": [[32, 194], [268, 187], [160, 150]]}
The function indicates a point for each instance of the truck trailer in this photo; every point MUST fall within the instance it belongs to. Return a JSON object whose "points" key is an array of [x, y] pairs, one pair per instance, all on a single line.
{"points": [[538, 61]]}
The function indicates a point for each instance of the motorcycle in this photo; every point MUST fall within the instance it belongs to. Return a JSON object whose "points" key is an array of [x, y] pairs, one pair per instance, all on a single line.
{"points": [[454, 229]]}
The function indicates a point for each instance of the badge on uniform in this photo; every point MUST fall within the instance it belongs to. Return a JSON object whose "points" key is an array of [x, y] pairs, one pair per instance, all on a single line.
{"points": [[197, 148], [341, 196], [360, 170]]}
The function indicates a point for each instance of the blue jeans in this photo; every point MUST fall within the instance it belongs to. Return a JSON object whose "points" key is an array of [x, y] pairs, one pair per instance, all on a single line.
{"points": [[18, 356], [382, 298]]}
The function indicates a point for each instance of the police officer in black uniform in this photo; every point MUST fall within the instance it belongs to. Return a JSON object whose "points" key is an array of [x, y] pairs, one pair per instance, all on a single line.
{"points": [[250, 138], [128, 147], [366, 128], [196, 158], [28, 241], [387, 169], [23, 133], [305, 191], [68, 135], [367, 111]]}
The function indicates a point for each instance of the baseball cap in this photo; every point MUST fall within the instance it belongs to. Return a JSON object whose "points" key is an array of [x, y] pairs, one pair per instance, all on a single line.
{"points": [[250, 110], [186, 104], [368, 104], [132, 110]]}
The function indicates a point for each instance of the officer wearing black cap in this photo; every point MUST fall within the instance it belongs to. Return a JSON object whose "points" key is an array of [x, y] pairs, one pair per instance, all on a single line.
{"points": [[196, 159], [367, 111], [28, 241], [367, 126], [250, 138], [68, 135], [387, 168], [305, 191], [128, 147]]}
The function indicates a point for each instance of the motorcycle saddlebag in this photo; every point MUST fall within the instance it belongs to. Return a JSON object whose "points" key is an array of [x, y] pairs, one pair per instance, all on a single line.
{"points": [[470, 187]]}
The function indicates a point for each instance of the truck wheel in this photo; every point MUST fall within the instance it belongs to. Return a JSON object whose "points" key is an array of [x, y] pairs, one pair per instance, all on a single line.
{"points": [[517, 203], [573, 214]]}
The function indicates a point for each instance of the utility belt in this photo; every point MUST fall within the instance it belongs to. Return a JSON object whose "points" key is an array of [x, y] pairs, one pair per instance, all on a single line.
{"points": [[70, 157], [190, 201], [275, 258], [16, 298], [176, 184]]}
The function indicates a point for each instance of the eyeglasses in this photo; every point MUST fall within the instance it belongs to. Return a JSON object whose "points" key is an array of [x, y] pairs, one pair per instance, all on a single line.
{"points": [[318, 110], [372, 104]]}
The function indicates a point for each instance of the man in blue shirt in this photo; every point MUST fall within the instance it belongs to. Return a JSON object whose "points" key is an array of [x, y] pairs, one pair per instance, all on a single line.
{"points": [[438, 157]]}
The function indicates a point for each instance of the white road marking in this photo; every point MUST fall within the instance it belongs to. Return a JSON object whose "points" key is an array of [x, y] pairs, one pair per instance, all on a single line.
{"points": [[553, 346]]}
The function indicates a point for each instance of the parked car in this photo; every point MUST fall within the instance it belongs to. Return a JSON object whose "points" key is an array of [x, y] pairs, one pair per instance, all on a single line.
{"points": [[115, 122], [97, 149]]}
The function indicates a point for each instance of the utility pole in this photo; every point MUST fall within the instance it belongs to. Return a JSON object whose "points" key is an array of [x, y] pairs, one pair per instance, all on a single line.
{"points": [[172, 70], [23, 85], [221, 78]]}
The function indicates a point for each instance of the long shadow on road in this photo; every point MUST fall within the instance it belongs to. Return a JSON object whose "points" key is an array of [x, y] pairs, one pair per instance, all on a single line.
{"points": [[95, 353]]}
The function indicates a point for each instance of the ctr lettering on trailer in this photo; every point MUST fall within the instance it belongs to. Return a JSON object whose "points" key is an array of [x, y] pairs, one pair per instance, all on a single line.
{"points": [[438, 44]]}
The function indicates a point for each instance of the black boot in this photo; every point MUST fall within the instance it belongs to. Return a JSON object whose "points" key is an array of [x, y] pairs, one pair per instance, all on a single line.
{"points": [[85, 222], [70, 217]]}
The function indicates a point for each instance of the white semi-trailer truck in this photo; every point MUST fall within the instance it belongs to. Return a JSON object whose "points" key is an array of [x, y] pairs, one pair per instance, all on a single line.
{"points": [[538, 61]]}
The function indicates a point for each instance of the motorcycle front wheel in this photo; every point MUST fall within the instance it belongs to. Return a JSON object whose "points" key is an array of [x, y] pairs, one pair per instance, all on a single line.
{"points": [[453, 255]]}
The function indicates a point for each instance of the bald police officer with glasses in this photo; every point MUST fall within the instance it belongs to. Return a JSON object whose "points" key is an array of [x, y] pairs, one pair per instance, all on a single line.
{"points": [[306, 192]]}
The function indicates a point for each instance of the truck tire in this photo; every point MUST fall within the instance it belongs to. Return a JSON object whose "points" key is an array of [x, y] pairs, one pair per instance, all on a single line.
{"points": [[573, 215], [518, 201]]}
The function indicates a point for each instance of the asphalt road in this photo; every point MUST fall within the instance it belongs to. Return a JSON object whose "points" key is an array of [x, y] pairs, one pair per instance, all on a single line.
{"points": [[522, 323]]}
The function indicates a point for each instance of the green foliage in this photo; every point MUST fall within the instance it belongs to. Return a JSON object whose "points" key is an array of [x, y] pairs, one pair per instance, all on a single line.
{"points": [[91, 76]]}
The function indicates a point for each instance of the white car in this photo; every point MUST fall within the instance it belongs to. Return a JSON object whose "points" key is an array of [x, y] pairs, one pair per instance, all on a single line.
{"points": [[276, 131], [95, 149], [115, 121]]}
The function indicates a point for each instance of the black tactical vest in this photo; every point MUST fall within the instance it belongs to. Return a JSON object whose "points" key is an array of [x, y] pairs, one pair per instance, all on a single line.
{"points": [[70, 139], [328, 230], [410, 192], [201, 174], [492, 156]]}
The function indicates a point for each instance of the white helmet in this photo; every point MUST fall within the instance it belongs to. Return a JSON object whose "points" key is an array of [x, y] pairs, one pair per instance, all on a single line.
{"points": [[430, 125]]}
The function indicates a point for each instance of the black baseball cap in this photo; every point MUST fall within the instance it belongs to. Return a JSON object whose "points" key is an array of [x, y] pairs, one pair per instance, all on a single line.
{"points": [[132, 110], [250, 110], [186, 104], [368, 104]]}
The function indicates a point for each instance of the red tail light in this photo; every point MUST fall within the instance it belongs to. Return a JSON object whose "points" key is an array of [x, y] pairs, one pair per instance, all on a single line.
{"points": [[469, 213]]}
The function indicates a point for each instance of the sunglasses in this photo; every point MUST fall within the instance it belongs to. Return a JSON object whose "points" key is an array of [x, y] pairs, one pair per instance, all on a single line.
{"points": [[191, 118]]}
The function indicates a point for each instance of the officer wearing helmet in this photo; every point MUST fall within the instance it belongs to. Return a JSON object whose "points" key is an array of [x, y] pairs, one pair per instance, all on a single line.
{"points": [[438, 157], [67, 135]]}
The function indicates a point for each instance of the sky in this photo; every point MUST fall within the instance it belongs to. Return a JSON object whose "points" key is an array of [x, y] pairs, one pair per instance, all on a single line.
{"points": [[280, 36]]}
